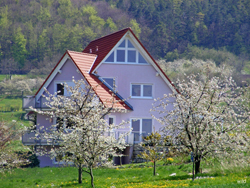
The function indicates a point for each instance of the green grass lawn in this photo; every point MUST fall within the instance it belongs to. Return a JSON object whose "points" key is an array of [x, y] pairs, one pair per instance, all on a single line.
{"points": [[17, 116], [10, 103], [129, 176], [11, 109], [4, 76]]}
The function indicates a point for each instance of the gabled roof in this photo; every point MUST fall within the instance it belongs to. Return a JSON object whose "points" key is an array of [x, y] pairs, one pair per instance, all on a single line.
{"points": [[102, 46], [102, 91], [83, 62]]}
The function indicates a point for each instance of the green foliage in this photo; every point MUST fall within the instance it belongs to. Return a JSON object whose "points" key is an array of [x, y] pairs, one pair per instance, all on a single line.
{"points": [[153, 150], [168, 29], [111, 25], [34, 31], [19, 47], [135, 27]]}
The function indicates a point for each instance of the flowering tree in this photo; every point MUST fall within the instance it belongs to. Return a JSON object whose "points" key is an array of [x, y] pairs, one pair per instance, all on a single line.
{"points": [[209, 118], [81, 134], [9, 159]]}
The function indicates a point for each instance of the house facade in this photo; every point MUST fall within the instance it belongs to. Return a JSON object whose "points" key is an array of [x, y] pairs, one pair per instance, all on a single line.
{"points": [[119, 64]]}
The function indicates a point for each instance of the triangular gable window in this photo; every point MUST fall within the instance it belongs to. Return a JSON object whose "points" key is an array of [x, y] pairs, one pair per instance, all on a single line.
{"points": [[141, 59], [130, 45], [126, 53], [110, 58], [122, 44]]}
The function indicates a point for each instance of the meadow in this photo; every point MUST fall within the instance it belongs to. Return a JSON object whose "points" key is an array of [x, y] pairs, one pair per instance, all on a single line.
{"points": [[126, 176], [129, 176]]}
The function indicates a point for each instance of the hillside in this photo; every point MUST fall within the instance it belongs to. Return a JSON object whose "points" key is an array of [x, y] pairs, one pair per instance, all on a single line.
{"points": [[35, 33]]}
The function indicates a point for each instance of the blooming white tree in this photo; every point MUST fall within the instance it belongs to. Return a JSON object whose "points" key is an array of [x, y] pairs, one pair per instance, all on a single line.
{"points": [[208, 119], [81, 134], [9, 158]]}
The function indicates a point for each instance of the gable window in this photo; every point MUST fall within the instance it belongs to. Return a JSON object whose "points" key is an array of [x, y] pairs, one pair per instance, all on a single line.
{"points": [[141, 128], [60, 89], [126, 53], [141, 91]]}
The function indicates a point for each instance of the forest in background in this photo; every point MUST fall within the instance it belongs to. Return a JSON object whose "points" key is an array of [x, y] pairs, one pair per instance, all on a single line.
{"points": [[35, 33]]}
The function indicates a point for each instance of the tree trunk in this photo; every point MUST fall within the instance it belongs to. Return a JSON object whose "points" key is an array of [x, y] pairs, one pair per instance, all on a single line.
{"points": [[92, 177], [154, 168], [80, 174], [193, 171], [197, 164]]}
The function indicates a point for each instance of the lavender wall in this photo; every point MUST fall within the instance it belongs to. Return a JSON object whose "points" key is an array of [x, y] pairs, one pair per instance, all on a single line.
{"points": [[67, 71], [125, 74]]}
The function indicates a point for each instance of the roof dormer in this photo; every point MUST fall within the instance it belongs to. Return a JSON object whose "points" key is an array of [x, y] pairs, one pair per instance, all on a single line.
{"points": [[125, 52]]}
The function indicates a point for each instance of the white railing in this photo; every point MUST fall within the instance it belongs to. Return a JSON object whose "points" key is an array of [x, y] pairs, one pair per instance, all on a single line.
{"points": [[29, 138], [30, 101]]}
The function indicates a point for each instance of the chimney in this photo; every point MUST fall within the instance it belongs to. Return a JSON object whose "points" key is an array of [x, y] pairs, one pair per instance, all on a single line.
{"points": [[90, 50], [96, 48]]}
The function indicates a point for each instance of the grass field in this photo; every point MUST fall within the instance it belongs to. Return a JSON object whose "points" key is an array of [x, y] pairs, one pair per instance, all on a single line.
{"points": [[11, 109], [10, 103], [130, 176], [4, 76]]}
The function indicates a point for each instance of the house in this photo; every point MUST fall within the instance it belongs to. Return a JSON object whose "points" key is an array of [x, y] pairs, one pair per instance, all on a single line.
{"points": [[117, 59]]}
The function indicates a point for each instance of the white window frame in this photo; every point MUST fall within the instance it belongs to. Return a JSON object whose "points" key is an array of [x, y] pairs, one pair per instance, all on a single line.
{"points": [[141, 94], [70, 83], [64, 124], [112, 132], [126, 48], [140, 128], [114, 119]]}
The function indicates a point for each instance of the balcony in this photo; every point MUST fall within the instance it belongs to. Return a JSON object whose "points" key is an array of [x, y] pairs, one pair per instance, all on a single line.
{"points": [[29, 138], [30, 101]]}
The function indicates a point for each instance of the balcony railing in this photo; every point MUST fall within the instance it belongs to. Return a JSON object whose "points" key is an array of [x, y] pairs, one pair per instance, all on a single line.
{"points": [[30, 101], [30, 138]]}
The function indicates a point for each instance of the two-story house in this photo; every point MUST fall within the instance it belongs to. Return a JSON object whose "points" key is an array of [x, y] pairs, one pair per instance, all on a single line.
{"points": [[120, 60]]}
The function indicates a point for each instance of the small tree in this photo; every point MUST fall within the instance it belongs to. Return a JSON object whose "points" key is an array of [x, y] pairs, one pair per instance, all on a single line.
{"points": [[81, 134], [153, 150], [209, 118]]}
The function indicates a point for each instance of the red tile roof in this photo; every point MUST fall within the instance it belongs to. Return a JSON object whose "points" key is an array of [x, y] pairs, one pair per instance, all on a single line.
{"points": [[84, 61], [93, 55], [104, 45]]}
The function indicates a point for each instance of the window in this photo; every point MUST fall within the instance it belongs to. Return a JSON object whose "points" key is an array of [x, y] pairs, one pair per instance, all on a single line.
{"points": [[126, 53], [65, 123], [111, 120], [60, 89], [141, 90], [110, 82], [141, 128], [60, 158]]}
